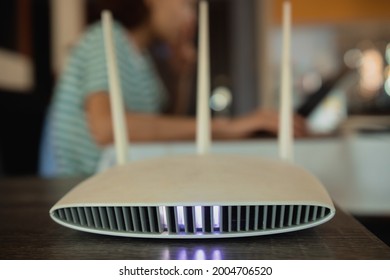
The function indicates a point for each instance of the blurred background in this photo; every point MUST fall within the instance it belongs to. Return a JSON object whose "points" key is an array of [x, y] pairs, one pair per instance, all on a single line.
{"points": [[341, 56], [341, 66], [340, 51]]}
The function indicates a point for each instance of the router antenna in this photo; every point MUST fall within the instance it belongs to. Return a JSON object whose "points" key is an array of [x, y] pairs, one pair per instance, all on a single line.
{"points": [[203, 137], [116, 100], [286, 114]]}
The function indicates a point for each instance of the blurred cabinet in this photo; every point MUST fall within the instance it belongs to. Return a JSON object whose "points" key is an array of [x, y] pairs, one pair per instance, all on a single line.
{"points": [[334, 11], [26, 72]]}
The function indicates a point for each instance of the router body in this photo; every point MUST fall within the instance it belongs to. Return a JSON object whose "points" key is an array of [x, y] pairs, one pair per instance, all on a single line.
{"points": [[196, 196]]}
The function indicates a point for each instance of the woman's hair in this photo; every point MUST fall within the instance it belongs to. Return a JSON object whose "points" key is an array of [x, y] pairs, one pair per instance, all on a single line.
{"points": [[130, 13]]}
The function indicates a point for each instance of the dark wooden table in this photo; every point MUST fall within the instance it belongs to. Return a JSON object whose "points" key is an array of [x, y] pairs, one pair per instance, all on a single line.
{"points": [[27, 232]]}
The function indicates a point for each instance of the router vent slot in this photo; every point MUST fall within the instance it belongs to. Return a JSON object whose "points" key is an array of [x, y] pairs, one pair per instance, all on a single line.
{"points": [[115, 219], [192, 220]]}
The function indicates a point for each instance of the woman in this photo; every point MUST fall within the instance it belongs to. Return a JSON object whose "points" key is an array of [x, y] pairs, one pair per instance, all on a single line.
{"points": [[80, 117]]}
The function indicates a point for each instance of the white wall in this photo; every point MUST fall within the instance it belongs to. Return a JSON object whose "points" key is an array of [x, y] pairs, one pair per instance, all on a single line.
{"points": [[16, 71], [68, 22]]}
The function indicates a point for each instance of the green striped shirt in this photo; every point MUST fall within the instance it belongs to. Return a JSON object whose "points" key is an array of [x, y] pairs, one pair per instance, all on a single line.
{"points": [[75, 151]]}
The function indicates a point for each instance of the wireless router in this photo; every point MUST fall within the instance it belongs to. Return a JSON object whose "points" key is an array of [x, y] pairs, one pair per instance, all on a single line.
{"points": [[203, 195]]}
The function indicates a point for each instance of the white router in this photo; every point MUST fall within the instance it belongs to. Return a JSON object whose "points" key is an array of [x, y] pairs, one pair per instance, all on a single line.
{"points": [[203, 195]]}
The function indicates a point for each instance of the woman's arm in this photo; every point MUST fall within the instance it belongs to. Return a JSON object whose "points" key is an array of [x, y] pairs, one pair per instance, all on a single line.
{"points": [[141, 127], [149, 127]]}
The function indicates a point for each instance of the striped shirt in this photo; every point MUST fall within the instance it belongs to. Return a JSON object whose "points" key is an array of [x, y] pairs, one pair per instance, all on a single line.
{"points": [[75, 151]]}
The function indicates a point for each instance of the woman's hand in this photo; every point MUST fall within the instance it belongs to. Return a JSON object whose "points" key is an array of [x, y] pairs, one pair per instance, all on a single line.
{"points": [[258, 121], [183, 52], [183, 58]]}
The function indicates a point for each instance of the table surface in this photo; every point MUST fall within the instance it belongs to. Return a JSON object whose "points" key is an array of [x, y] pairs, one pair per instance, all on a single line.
{"points": [[27, 232]]}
